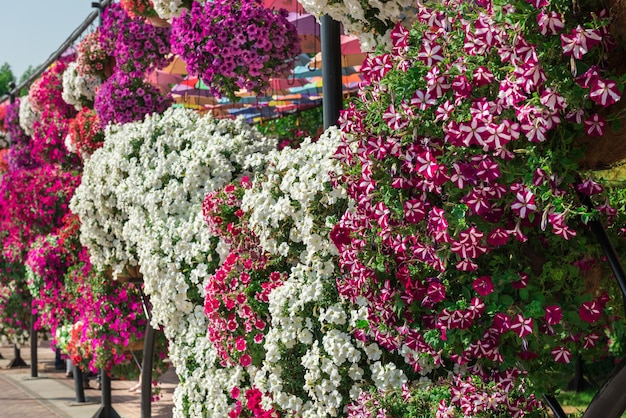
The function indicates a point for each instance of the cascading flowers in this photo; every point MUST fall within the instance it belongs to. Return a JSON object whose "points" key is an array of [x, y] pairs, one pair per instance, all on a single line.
{"points": [[235, 45], [467, 243]]}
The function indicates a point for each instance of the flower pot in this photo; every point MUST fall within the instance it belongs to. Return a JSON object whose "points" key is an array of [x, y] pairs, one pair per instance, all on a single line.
{"points": [[158, 22], [135, 346], [109, 67]]}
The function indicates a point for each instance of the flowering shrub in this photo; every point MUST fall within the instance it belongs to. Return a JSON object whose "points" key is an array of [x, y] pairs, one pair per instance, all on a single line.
{"points": [[92, 58], [122, 99], [140, 203], [78, 90], [85, 133], [235, 45], [371, 21], [138, 47], [459, 154]]}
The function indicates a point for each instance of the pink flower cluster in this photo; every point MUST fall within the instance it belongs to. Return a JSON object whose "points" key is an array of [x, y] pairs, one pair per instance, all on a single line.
{"points": [[237, 293], [464, 193]]}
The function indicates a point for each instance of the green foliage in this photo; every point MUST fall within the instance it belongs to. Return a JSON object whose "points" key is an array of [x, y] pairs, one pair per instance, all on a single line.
{"points": [[6, 77]]}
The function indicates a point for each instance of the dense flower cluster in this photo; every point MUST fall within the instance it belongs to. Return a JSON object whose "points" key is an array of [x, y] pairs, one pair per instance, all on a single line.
{"points": [[123, 98], [92, 58], [458, 154], [140, 202], [46, 93], [235, 45], [27, 116], [78, 90], [85, 133], [138, 47], [33, 203]]}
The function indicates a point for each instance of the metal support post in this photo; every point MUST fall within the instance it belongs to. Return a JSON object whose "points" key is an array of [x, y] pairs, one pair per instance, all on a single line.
{"points": [[146, 372], [106, 410], [78, 383], [33, 346], [332, 88]]}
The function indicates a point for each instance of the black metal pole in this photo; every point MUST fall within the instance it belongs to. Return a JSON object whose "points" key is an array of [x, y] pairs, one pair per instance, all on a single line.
{"points": [[146, 371], [33, 345], [106, 410], [78, 383], [332, 90]]}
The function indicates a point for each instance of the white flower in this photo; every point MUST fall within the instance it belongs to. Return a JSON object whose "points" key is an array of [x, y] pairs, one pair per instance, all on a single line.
{"points": [[27, 115], [78, 90]]}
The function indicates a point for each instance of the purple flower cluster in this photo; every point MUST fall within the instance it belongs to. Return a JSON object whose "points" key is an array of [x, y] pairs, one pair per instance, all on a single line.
{"points": [[138, 47], [232, 45], [123, 98], [20, 152]]}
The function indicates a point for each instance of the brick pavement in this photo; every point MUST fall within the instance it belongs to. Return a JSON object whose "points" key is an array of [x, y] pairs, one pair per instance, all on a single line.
{"points": [[51, 394]]}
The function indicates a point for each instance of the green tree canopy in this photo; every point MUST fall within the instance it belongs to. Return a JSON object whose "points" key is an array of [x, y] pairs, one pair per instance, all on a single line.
{"points": [[6, 77]]}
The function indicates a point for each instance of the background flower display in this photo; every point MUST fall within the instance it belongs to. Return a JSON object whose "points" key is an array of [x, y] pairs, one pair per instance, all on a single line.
{"points": [[92, 56], [135, 8], [138, 47], [235, 45]]}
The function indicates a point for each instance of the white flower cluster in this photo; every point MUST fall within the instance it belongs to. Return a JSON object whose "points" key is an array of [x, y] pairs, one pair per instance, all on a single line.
{"points": [[28, 115], [140, 202], [167, 9], [78, 90], [357, 17], [290, 203]]}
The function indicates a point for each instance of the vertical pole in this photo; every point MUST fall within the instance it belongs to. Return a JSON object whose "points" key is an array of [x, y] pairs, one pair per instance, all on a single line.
{"points": [[33, 345], [105, 380], [332, 90], [146, 372], [78, 383]]}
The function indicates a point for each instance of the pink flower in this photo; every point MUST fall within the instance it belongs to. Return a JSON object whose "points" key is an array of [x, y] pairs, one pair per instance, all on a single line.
{"points": [[431, 53], [578, 43], [561, 355], [594, 125], [240, 343], [483, 285], [604, 92], [554, 314], [590, 311], [524, 202], [550, 23], [522, 326], [245, 360]]}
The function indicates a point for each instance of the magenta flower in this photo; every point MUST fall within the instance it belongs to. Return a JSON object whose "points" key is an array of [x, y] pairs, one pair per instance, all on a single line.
{"points": [[594, 125], [561, 354], [483, 285], [550, 23], [590, 311], [604, 92]]}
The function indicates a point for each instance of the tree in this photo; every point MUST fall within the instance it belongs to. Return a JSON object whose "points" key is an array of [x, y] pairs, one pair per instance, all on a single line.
{"points": [[6, 77], [29, 71]]}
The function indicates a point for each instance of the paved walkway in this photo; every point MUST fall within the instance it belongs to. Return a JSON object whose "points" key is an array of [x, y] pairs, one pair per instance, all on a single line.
{"points": [[51, 394]]}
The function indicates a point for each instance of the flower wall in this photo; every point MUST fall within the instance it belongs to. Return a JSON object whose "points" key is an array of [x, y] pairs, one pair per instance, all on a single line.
{"points": [[428, 257]]}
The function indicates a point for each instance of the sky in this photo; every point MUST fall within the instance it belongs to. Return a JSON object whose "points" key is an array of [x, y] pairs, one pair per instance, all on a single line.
{"points": [[32, 30]]}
